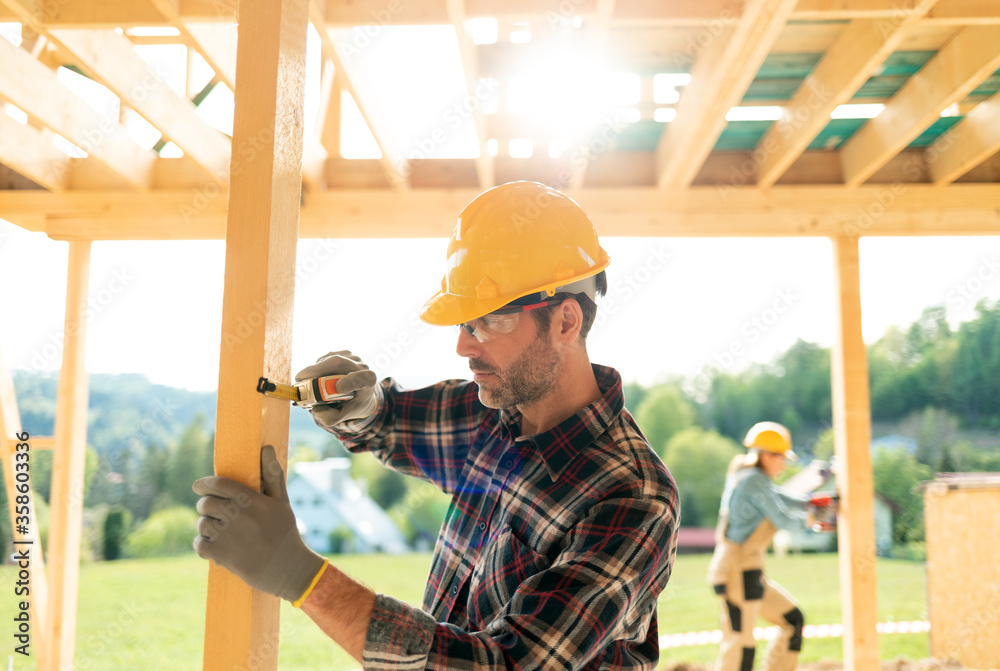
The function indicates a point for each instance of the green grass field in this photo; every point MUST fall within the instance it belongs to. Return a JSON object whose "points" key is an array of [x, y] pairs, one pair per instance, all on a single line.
{"points": [[150, 614]]}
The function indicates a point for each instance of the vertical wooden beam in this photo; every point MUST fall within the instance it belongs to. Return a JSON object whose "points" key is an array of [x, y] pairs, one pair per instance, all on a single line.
{"points": [[66, 499], [241, 629], [852, 434], [10, 426]]}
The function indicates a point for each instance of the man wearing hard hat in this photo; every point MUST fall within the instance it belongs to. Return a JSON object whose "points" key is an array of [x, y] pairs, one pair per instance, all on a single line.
{"points": [[753, 507], [562, 528]]}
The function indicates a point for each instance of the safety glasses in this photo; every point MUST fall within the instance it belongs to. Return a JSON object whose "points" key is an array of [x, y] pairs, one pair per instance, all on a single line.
{"points": [[503, 321]]}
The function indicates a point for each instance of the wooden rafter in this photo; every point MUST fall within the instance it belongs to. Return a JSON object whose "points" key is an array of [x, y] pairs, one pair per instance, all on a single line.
{"points": [[35, 89], [719, 78], [967, 144], [112, 60], [888, 209], [394, 163], [31, 152], [971, 56], [470, 68], [861, 48]]}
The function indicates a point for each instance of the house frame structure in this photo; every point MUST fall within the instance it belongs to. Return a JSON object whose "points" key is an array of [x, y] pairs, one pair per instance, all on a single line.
{"points": [[909, 171]]}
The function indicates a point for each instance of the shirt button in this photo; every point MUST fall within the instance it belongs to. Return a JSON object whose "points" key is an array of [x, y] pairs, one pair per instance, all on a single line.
{"points": [[508, 463], [482, 526], [454, 590]]}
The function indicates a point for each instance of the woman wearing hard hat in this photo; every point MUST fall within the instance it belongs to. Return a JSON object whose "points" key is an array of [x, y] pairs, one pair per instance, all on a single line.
{"points": [[753, 507]]}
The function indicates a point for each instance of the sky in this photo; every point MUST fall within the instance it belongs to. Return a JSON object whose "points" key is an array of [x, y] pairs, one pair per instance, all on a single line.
{"points": [[674, 306]]}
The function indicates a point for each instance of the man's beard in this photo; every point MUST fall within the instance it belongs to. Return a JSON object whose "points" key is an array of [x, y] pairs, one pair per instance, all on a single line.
{"points": [[529, 378]]}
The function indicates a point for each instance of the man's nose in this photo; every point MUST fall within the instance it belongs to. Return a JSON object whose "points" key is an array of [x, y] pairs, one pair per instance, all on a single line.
{"points": [[467, 346]]}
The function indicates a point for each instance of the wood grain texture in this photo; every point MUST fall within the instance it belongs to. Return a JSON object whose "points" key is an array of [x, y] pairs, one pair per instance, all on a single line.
{"points": [[963, 575], [68, 461], [241, 629], [852, 436]]}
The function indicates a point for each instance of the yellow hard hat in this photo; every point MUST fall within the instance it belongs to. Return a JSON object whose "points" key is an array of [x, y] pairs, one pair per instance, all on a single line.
{"points": [[511, 241], [770, 437]]}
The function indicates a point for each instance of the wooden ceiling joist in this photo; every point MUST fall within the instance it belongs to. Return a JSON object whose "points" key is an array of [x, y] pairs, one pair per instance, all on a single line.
{"points": [[964, 62], [470, 68], [36, 90], [967, 144], [31, 152], [896, 209], [862, 47], [720, 76], [394, 163], [113, 61]]}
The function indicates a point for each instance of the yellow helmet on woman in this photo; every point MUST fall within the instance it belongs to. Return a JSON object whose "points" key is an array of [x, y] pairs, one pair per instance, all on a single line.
{"points": [[511, 241], [770, 437]]}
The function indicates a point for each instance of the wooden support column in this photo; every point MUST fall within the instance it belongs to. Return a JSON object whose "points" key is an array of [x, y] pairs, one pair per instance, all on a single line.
{"points": [[852, 432], [241, 629], [66, 498]]}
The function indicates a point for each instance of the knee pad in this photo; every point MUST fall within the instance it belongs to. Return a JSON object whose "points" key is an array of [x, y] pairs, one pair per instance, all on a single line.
{"points": [[795, 618]]}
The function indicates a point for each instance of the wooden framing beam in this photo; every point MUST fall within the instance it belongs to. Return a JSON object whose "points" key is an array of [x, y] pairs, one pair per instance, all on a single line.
{"points": [[845, 67], [112, 60], [470, 67], [31, 153], [967, 144], [328, 119], [68, 460], [719, 78], [969, 58], [35, 89], [10, 427], [889, 209], [102, 14], [852, 437], [241, 629], [394, 164], [216, 43]]}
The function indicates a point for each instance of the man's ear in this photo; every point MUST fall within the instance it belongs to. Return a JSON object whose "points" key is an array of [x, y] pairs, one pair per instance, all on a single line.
{"points": [[569, 320]]}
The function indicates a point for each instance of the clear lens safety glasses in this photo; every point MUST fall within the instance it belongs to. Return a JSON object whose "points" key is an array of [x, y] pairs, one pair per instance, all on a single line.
{"points": [[503, 321]]}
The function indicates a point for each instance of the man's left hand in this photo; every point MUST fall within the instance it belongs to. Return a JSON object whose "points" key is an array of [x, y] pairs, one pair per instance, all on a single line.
{"points": [[253, 534]]}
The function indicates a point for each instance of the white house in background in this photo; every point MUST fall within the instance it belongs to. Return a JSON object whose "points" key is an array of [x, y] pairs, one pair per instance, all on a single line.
{"points": [[819, 476], [327, 501]]}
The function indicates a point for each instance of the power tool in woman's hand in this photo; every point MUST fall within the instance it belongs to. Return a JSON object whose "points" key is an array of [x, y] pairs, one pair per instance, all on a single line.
{"points": [[823, 507]]}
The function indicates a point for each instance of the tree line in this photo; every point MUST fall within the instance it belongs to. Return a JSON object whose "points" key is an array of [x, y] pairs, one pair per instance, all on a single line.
{"points": [[938, 386]]}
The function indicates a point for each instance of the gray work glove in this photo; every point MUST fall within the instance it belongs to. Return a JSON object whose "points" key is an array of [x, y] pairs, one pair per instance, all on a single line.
{"points": [[357, 378], [253, 534]]}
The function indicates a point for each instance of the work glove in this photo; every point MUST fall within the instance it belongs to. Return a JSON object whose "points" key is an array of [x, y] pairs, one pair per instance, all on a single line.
{"points": [[357, 378], [253, 534]]}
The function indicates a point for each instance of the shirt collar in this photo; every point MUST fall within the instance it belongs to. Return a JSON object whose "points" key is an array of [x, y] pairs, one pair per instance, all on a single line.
{"points": [[561, 443]]}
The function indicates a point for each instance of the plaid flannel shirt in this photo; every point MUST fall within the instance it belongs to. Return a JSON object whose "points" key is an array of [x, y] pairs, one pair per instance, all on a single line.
{"points": [[555, 546]]}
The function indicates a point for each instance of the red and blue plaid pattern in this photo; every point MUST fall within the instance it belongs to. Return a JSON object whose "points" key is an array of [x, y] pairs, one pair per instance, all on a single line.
{"points": [[555, 546]]}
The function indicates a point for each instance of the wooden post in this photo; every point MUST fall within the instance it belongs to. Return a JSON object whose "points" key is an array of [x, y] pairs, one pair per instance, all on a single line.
{"points": [[66, 499], [852, 433], [241, 630], [10, 426]]}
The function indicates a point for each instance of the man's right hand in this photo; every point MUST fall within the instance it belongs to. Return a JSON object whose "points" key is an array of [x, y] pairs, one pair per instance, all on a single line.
{"points": [[357, 378]]}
